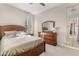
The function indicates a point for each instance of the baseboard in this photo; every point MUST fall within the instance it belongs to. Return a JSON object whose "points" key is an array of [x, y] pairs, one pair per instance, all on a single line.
{"points": [[67, 46]]}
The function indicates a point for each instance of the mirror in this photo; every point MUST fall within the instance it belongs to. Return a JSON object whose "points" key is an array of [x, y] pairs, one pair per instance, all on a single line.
{"points": [[48, 26]]}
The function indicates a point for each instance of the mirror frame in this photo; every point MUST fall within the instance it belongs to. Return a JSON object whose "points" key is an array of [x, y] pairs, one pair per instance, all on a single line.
{"points": [[46, 22]]}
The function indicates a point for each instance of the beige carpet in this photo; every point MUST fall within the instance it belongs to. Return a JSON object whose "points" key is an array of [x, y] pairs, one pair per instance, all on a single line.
{"points": [[59, 51]]}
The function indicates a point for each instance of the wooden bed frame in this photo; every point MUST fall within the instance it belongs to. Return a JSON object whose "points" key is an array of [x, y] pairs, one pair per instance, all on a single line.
{"points": [[36, 51], [32, 52]]}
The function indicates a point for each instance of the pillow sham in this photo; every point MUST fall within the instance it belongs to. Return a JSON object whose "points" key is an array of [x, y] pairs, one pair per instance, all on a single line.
{"points": [[10, 34]]}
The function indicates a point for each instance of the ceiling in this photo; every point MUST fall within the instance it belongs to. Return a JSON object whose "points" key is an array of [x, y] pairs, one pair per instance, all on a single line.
{"points": [[34, 8]]}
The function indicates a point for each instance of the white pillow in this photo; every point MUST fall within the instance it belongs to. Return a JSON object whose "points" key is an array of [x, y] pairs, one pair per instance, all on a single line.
{"points": [[20, 33], [10, 34]]}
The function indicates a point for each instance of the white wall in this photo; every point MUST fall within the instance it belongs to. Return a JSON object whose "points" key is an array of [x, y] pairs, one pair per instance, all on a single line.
{"points": [[12, 15], [57, 14]]}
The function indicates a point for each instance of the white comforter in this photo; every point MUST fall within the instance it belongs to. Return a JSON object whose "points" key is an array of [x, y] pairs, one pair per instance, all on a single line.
{"points": [[13, 46]]}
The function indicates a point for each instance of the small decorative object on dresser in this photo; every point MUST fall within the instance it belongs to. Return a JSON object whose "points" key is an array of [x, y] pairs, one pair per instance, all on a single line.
{"points": [[49, 37]]}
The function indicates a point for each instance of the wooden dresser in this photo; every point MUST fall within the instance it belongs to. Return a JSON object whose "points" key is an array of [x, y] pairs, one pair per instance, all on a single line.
{"points": [[49, 37]]}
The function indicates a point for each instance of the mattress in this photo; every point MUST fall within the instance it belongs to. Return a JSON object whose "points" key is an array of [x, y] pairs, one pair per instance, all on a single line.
{"points": [[15, 46]]}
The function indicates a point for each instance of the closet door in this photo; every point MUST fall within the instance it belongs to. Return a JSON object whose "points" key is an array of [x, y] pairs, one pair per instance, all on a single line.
{"points": [[72, 37]]}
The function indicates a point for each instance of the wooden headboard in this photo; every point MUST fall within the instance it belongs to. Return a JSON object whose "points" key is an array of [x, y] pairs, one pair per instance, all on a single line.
{"points": [[10, 28], [13, 28]]}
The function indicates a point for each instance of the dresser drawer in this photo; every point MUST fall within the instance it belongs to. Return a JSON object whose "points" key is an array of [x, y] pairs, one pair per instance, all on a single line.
{"points": [[46, 37], [50, 38], [51, 42], [50, 35]]}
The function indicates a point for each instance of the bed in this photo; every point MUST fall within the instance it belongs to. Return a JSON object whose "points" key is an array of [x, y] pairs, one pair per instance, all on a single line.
{"points": [[22, 45]]}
